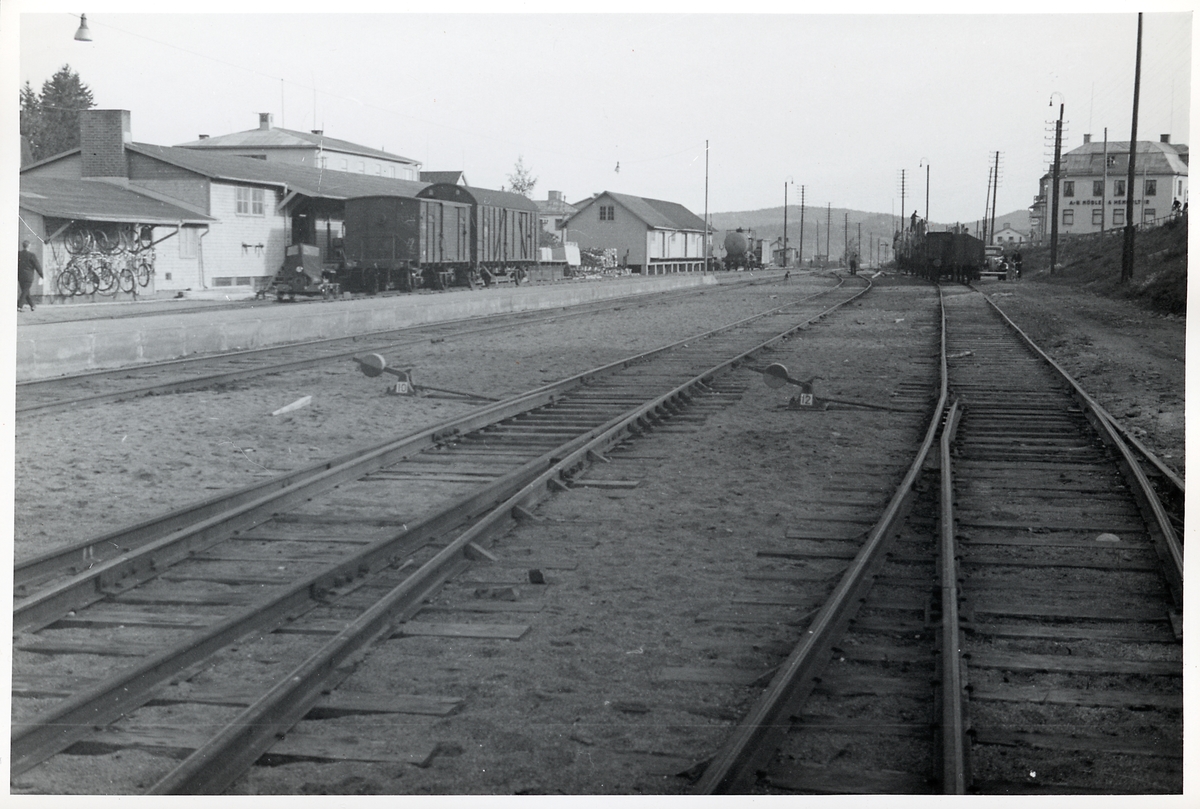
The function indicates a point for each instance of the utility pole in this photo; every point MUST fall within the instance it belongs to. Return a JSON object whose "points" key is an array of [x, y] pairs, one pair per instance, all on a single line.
{"points": [[858, 244], [785, 255], [1104, 187], [995, 187], [925, 163], [1130, 228], [846, 238], [903, 209], [707, 228], [800, 255], [987, 204], [828, 215], [1054, 193]]}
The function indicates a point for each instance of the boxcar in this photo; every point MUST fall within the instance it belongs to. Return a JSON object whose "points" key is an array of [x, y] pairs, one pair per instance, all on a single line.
{"points": [[503, 226], [403, 243], [958, 256]]}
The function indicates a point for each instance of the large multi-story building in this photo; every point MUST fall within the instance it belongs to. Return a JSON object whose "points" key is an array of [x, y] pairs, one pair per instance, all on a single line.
{"points": [[1093, 193], [313, 149]]}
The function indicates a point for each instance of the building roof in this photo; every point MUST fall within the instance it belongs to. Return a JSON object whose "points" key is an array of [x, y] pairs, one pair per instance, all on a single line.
{"points": [[452, 177], [311, 182], [656, 213], [100, 201], [1154, 157], [277, 138], [482, 196], [554, 206]]}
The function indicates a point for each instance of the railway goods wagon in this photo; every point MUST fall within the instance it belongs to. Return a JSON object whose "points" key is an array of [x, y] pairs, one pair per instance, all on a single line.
{"points": [[939, 254], [503, 226], [958, 256], [740, 250], [403, 243]]}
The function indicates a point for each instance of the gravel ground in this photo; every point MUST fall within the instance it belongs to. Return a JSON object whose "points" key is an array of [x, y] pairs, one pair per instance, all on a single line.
{"points": [[578, 706]]}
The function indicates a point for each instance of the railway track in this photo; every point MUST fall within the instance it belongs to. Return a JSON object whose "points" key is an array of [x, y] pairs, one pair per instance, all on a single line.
{"points": [[1010, 625], [58, 394], [207, 634]]}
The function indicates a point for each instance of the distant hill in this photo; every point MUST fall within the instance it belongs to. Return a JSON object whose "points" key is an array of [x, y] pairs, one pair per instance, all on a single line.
{"points": [[822, 226]]}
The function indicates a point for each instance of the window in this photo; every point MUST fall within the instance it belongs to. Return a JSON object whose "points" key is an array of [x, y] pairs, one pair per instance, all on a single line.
{"points": [[362, 167], [379, 169], [345, 166], [222, 282], [1068, 188], [1118, 188], [322, 162], [1118, 216], [1069, 216], [1097, 216], [1097, 188], [250, 202], [607, 213], [1151, 188], [189, 239], [1112, 161]]}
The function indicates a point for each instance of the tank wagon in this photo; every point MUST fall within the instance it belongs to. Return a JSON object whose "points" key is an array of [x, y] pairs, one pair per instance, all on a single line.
{"points": [[740, 250]]}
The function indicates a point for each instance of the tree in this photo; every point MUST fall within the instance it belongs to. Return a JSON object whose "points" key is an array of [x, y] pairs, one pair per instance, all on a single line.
{"points": [[521, 181], [50, 121]]}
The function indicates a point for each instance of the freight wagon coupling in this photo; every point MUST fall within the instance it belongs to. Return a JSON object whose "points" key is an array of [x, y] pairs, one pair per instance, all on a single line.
{"points": [[776, 376], [374, 365]]}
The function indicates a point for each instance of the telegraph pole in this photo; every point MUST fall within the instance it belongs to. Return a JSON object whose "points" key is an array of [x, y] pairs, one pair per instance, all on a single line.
{"points": [[846, 238], [1054, 194], [828, 214], [800, 255], [995, 187], [1130, 227], [785, 256], [707, 237]]}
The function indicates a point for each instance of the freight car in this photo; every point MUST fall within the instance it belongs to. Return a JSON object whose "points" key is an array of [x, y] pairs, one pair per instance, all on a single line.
{"points": [[503, 227], [404, 243], [446, 235], [939, 254], [742, 250]]}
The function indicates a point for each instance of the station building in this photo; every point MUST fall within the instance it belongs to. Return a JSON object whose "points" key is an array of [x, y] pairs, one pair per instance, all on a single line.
{"points": [[1092, 186], [313, 149], [222, 220], [649, 236]]}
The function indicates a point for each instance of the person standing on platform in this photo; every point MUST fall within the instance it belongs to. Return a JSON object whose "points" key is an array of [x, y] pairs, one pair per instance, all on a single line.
{"points": [[27, 266]]}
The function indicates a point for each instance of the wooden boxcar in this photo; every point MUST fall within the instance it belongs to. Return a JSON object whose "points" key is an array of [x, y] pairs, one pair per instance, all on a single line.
{"points": [[402, 243], [503, 226]]}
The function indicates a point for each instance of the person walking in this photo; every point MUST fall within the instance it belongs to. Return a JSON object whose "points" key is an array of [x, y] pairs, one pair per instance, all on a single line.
{"points": [[27, 265]]}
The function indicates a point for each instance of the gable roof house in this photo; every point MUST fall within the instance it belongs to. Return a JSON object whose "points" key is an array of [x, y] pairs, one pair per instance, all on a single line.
{"points": [[251, 209], [313, 149], [650, 236]]}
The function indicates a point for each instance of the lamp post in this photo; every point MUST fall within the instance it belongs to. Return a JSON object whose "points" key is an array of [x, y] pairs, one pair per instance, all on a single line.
{"points": [[925, 162]]}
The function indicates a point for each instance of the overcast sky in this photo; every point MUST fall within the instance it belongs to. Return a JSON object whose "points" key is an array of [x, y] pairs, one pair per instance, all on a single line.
{"points": [[839, 104]]}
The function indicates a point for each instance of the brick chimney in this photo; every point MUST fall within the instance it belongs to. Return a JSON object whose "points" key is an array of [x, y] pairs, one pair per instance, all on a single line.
{"points": [[265, 119], [1165, 138], [556, 196], [102, 138], [1087, 138]]}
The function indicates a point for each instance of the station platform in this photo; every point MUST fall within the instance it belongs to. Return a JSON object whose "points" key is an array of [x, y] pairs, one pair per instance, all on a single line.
{"points": [[58, 340]]}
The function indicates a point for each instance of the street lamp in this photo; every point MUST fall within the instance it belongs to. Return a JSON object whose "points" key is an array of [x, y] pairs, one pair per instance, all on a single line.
{"points": [[82, 34]]}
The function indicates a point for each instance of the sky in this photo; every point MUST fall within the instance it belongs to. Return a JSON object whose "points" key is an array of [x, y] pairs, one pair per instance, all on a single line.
{"points": [[652, 104]]}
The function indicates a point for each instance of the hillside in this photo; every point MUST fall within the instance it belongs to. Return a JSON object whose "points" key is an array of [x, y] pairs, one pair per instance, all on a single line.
{"points": [[828, 226], [1094, 264]]}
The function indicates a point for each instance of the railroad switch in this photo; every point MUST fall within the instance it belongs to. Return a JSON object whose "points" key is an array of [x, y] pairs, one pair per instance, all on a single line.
{"points": [[373, 365], [776, 375]]}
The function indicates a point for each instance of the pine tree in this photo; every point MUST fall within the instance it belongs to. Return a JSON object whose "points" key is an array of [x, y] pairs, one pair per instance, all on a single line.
{"points": [[521, 180], [50, 121]]}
